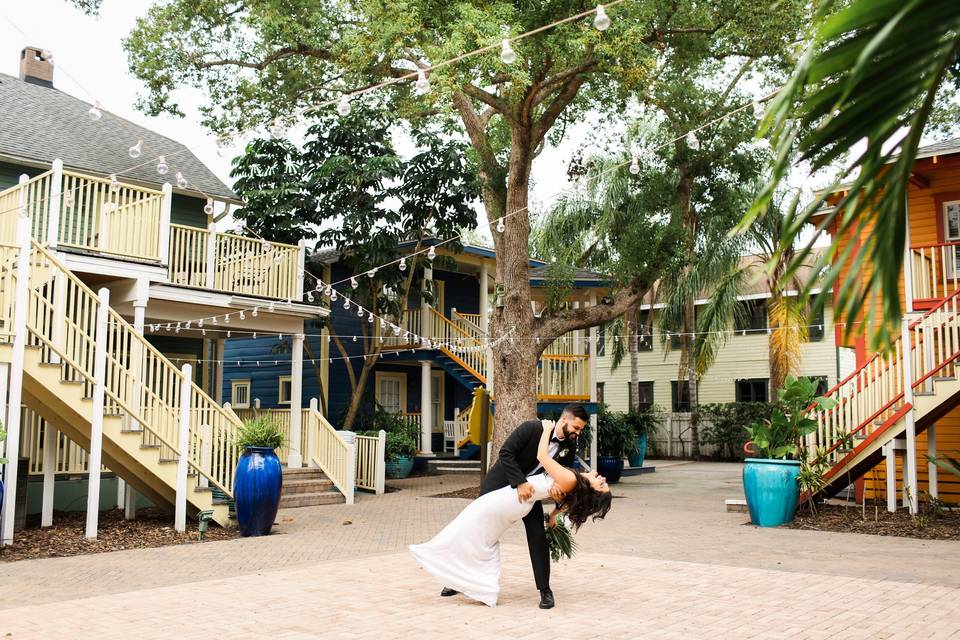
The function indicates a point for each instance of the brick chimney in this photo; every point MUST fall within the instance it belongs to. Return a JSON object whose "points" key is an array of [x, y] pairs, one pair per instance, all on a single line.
{"points": [[36, 66]]}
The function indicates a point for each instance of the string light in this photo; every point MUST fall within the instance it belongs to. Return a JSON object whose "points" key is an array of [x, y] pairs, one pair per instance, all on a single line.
{"points": [[162, 166], [136, 150], [758, 110], [602, 21], [353, 282], [500, 226], [507, 54], [372, 273], [343, 107], [693, 142], [431, 254], [422, 85], [181, 180], [114, 183], [95, 111], [276, 128], [208, 207], [403, 264], [635, 165], [68, 199]]}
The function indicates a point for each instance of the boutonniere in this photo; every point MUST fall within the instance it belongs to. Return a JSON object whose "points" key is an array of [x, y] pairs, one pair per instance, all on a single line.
{"points": [[564, 453]]}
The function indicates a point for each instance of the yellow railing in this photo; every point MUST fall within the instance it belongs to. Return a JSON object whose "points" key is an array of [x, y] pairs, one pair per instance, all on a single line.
{"points": [[370, 462], [248, 265], [328, 450], [139, 380], [468, 321], [564, 377], [8, 268], [566, 345], [187, 261], [70, 458], [458, 343]]}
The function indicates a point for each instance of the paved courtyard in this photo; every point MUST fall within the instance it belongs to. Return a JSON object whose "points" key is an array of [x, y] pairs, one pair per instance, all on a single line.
{"points": [[668, 562]]}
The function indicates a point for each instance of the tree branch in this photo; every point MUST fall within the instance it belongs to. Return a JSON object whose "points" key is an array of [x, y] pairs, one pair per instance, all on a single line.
{"points": [[551, 84], [566, 320], [556, 107], [279, 54], [489, 99]]}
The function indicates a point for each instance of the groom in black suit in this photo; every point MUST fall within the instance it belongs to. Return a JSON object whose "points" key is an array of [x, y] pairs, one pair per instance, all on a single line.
{"points": [[517, 460]]}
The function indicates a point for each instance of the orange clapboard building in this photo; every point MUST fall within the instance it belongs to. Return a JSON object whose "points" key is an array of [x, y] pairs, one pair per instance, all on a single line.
{"points": [[904, 403]]}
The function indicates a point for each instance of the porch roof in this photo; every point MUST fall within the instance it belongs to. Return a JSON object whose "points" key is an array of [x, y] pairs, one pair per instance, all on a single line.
{"points": [[44, 123]]}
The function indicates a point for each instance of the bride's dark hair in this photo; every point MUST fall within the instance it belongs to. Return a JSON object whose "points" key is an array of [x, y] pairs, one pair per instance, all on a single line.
{"points": [[583, 501]]}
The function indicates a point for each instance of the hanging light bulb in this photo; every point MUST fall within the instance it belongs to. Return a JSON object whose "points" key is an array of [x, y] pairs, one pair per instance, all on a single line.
{"points": [[370, 318], [431, 254], [278, 258], [255, 337], [114, 183], [181, 180], [230, 333], [507, 54], [500, 226], [359, 312], [396, 329], [372, 272], [602, 21], [215, 320], [353, 282], [346, 303], [757, 110], [333, 296], [276, 128], [200, 322], [635, 165], [188, 325], [403, 264], [271, 307], [226, 319], [243, 316], [208, 208], [162, 166], [692, 141], [354, 338], [256, 311], [136, 150], [343, 107], [422, 85], [68, 199], [95, 111], [309, 296]]}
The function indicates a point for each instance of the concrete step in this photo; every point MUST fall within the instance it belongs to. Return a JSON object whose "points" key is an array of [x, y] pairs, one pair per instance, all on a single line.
{"points": [[293, 487], [302, 473], [311, 499], [453, 465]]}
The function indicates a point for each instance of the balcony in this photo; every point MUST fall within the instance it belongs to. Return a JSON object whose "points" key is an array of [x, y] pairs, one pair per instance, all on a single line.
{"points": [[86, 214], [934, 272]]}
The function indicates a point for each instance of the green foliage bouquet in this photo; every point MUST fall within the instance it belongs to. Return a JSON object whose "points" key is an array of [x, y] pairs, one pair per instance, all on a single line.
{"points": [[560, 539]]}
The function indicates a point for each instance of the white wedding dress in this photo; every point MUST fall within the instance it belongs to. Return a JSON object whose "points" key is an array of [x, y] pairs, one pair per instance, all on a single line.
{"points": [[465, 556]]}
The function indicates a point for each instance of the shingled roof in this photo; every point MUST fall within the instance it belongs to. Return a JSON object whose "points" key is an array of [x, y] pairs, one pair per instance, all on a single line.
{"points": [[40, 124]]}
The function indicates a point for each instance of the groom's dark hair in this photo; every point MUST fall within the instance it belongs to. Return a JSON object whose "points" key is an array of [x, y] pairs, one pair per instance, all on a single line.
{"points": [[577, 411]]}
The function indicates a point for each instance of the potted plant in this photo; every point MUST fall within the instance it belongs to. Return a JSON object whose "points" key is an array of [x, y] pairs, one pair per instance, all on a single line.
{"points": [[615, 440], [259, 478], [770, 479], [644, 424], [399, 451]]}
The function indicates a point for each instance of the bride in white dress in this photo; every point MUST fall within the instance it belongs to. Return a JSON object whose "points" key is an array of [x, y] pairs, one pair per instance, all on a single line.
{"points": [[465, 555]]}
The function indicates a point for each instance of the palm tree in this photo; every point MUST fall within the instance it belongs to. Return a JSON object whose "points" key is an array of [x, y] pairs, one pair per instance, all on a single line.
{"points": [[873, 69]]}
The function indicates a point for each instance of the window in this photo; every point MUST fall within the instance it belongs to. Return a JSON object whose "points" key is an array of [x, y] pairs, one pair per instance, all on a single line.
{"points": [[751, 316], [951, 227], [284, 392], [644, 331], [602, 340], [816, 330], [240, 394], [600, 392], [680, 395], [753, 390], [646, 396], [675, 337], [391, 391]]}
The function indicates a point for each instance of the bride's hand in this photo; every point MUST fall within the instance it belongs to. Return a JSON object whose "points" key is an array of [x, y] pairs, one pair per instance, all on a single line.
{"points": [[552, 518]]}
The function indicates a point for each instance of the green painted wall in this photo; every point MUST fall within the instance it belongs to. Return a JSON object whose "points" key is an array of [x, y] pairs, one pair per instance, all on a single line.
{"points": [[10, 174], [188, 212]]}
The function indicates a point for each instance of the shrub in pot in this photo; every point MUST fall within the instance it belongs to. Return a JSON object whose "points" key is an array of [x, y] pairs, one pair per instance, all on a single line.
{"points": [[259, 478], [615, 440], [770, 478], [645, 424], [399, 451]]}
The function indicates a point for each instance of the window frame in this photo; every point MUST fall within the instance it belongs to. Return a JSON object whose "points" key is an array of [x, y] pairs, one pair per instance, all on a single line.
{"points": [[761, 324], [241, 382], [391, 375], [753, 382], [675, 402], [280, 381]]}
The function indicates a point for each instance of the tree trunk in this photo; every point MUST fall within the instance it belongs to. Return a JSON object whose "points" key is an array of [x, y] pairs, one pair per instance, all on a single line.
{"points": [[368, 363], [515, 358], [689, 322], [633, 329], [691, 223]]}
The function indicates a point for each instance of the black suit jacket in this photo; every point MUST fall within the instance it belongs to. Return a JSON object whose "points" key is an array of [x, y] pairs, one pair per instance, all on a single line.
{"points": [[518, 456]]}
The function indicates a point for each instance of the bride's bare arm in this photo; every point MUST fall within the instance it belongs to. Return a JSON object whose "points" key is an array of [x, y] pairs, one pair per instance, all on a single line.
{"points": [[562, 477]]}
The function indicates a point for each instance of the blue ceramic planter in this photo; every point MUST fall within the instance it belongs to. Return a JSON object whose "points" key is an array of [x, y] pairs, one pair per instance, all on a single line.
{"points": [[636, 460], [399, 468], [257, 488], [771, 489], [610, 467]]}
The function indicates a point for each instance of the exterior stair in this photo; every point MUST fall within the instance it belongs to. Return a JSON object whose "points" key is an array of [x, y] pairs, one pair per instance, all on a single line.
{"points": [[308, 487], [875, 402], [452, 465]]}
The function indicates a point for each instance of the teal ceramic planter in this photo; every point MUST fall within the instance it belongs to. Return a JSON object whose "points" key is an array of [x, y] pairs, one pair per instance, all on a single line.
{"points": [[771, 489], [399, 468], [636, 460]]}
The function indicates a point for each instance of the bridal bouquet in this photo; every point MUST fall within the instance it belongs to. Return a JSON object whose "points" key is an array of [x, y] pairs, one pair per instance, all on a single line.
{"points": [[560, 539]]}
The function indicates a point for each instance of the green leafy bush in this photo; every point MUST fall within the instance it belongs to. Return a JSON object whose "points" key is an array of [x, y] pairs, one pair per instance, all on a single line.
{"points": [[724, 425], [644, 423], [781, 435], [259, 432], [399, 444], [615, 434]]}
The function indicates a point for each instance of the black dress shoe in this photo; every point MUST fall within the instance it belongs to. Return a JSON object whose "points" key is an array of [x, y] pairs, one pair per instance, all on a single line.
{"points": [[446, 593], [546, 599]]}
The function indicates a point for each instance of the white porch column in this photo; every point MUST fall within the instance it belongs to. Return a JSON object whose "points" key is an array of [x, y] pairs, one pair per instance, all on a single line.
{"points": [[96, 414], [56, 198], [910, 462], [127, 495], [890, 453], [907, 261], [183, 450], [426, 409], [295, 458], [931, 467], [221, 344], [163, 248], [381, 462], [15, 394], [350, 438], [426, 319], [312, 434], [51, 441]]}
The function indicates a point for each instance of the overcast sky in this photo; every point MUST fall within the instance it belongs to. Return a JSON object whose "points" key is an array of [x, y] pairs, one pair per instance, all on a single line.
{"points": [[90, 64]]}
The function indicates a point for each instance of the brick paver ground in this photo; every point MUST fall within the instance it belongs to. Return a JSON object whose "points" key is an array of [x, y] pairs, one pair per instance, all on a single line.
{"points": [[668, 562]]}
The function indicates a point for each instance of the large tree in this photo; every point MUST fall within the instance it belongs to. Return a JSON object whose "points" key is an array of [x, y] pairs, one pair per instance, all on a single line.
{"points": [[258, 60], [350, 189]]}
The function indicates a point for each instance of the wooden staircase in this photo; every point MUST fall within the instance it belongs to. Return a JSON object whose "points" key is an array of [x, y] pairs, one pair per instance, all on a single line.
{"points": [[915, 380], [308, 487]]}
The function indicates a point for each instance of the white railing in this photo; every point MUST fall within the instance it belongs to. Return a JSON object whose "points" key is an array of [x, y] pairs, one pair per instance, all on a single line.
{"points": [[331, 450], [456, 430], [934, 269], [281, 418], [69, 458], [371, 466]]}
